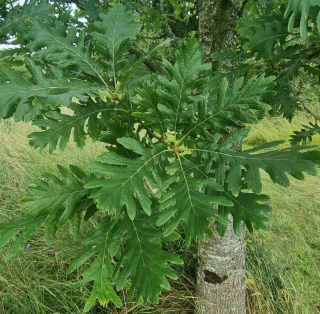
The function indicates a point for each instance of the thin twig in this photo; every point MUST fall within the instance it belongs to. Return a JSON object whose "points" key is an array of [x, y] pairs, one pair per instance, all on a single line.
{"points": [[153, 134]]}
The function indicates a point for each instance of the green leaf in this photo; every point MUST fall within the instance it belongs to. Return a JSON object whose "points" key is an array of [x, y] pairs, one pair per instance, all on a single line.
{"points": [[184, 202], [50, 202], [284, 102], [91, 8], [248, 207], [133, 73], [26, 100], [176, 95], [298, 7], [224, 55], [13, 23], [51, 196], [277, 163], [59, 126], [144, 260], [113, 34], [127, 179], [100, 271], [147, 101], [227, 105], [305, 134], [66, 50], [9, 230], [263, 37], [290, 71]]}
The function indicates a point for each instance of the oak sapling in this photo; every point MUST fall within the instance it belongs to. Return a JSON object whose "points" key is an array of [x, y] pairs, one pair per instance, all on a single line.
{"points": [[162, 134]]}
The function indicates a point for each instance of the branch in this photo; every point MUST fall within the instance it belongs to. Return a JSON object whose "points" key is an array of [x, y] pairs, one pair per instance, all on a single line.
{"points": [[314, 54], [152, 134], [242, 7], [307, 109], [153, 65], [153, 38]]}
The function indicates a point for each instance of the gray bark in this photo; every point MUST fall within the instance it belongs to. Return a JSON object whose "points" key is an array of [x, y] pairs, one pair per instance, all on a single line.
{"points": [[220, 279], [221, 271]]}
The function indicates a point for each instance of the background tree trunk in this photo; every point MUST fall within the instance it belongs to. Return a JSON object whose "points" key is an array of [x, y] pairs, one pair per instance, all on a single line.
{"points": [[220, 279]]}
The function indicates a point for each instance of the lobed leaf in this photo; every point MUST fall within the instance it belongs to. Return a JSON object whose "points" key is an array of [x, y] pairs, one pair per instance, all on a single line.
{"points": [[127, 179], [302, 8], [65, 49], [58, 127], [277, 163], [13, 23], [249, 208], [113, 34], [26, 100], [178, 102], [144, 260], [50, 202], [185, 202]]}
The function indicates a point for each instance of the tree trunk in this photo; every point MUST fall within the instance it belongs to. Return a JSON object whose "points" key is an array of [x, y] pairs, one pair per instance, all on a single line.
{"points": [[220, 279]]}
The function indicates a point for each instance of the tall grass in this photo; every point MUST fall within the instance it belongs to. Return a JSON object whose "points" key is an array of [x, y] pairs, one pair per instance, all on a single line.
{"points": [[276, 129], [282, 264]]}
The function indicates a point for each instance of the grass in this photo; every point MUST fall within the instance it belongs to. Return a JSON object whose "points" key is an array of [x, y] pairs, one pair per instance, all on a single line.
{"points": [[282, 264], [276, 129]]}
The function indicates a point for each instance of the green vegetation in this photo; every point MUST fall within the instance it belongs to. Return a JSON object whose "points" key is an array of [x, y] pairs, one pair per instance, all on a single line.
{"points": [[170, 125], [282, 264]]}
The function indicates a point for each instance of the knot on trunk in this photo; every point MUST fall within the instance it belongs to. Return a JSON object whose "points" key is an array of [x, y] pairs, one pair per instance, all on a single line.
{"points": [[213, 278]]}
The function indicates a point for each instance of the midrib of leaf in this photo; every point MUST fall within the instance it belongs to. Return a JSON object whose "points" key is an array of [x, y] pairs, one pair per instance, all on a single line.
{"points": [[85, 116], [196, 126], [36, 218], [176, 120], [84, 60], [130, 178], [244, 158], [141, 251], [113, 54], [60, 195], [232, 156], [103, 265], [24, 17], [160, 121], [42, 88], [179, 103], [104, 257], [268, 38], [186, 181]]}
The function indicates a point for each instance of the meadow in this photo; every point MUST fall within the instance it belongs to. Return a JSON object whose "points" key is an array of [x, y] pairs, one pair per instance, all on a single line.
{"points": [[283, 263]]}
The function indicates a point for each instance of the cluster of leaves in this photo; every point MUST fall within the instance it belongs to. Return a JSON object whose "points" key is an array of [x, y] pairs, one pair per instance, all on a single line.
{"points": [[165, 163], [282, 41]]}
